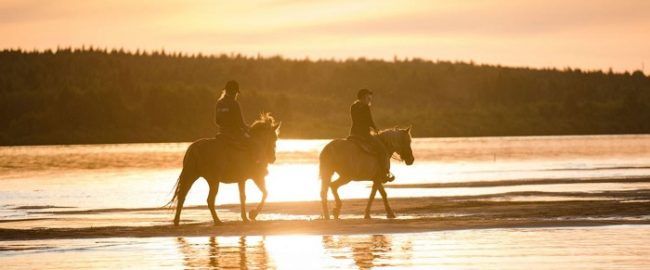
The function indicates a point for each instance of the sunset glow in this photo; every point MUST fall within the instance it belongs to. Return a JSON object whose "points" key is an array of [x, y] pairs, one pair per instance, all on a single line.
{"points": [[587, 35], [303, 134]]}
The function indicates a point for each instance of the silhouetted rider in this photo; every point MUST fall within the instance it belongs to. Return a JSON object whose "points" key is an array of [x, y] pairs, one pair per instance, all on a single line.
{"points": [[362, 122], [228, 115]]}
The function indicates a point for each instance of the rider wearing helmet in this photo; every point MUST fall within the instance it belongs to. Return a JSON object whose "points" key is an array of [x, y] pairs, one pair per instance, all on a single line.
{"points": [[362, 122], [228, 114]]}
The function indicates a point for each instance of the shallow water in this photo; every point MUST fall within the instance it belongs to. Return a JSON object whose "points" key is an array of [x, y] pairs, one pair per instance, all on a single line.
{"points": [[36, 181], [142, 175], [534, 248]]}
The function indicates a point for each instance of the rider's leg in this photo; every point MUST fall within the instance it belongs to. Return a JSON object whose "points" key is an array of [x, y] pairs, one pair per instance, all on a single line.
{"points": [[383, 159]]}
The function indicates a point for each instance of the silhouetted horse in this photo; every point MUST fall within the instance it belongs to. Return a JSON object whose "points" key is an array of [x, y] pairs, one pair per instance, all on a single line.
{"points": [[352, 163], [206, 158]]}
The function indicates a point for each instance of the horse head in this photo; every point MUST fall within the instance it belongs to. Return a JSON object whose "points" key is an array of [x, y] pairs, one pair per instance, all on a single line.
{"points": [[264, 131], [399, 140]]}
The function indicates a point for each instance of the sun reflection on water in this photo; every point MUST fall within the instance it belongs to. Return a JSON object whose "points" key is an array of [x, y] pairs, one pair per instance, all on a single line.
{"points": [[223, 252], [294, 252], [517, 248]]}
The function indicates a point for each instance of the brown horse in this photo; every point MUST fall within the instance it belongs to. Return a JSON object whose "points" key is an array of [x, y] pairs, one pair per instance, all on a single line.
{"points": [[206, 158], [352, 163]]}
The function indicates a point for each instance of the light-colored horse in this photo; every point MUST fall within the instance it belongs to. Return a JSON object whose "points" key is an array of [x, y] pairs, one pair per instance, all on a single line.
{"points": [[352, 163], [206, 158]]}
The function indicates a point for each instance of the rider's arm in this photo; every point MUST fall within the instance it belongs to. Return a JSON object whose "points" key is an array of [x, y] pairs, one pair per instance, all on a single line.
{"points": [[371, 122], [216, 115], [240, 117]]}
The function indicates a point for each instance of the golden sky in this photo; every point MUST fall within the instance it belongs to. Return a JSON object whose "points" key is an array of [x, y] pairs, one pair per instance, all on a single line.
{"points": [[589, 34]]}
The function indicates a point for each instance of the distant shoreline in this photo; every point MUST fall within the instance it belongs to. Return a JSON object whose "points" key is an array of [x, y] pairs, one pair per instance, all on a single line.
{"points": [[332, 138]]}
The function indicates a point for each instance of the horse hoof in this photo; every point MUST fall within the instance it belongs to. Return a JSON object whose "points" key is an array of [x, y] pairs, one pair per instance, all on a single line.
{"points": [[391, 215], [245, 220], [336, 212], [218, 223], [366, 217], [253, 214]]}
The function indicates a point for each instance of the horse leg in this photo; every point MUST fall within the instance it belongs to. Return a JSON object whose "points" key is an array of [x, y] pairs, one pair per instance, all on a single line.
{"points": [[389, 211], [212, 195], [184, 185], [242, 199], [335, 190], [372, 198], [326, 177], [179, 208], [324, 188], [261, 184]]}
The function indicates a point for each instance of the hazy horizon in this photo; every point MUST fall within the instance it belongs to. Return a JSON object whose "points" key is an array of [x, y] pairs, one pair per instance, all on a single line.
{"points": [[539, 34]]}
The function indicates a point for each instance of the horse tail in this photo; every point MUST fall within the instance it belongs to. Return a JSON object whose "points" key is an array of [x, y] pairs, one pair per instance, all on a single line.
{"points": [[189, 165], [325, 169], [172, 203]]}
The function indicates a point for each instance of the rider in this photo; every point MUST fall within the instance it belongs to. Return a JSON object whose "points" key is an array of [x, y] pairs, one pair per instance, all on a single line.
{"points": [[361, 124], [228, 115], [233, 129]]}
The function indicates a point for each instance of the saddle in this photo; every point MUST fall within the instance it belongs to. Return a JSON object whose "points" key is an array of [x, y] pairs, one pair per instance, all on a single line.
{"points": [[233, 142], [363, 143], [241, 152]]}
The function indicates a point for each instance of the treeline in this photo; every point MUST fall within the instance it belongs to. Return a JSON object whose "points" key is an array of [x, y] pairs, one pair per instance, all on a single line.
{"points": [[106, 96]]}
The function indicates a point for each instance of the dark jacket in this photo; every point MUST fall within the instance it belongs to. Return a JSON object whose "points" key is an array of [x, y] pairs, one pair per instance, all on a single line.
{"points": [[228, 116], [361, 119]]}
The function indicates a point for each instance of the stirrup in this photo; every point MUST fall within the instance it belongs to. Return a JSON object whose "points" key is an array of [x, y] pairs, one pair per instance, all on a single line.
{"points": [[388, 177]]}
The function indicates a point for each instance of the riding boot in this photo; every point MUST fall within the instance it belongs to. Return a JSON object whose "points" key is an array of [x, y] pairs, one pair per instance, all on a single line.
{"points": [[389, 176], [383, 159], [384, 174], [257, 152]]}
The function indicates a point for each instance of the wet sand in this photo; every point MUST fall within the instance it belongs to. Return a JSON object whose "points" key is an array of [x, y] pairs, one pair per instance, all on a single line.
{"points": [[507, 210], [522, 182], [316, 227]]}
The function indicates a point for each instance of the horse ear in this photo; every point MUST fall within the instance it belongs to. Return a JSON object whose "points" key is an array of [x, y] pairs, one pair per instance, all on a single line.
{"points": [[408, 129], [277, 127]]}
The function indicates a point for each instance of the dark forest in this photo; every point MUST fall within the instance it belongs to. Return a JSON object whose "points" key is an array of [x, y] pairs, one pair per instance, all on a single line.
{"points": [[88, 95]]}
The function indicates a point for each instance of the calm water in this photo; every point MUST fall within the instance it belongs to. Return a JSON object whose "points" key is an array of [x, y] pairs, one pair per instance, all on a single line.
{"points": [[548, 248], [37, 180], [142, 175]]}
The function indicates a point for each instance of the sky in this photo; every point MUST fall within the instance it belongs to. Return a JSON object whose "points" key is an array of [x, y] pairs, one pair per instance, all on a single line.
{"points": [[588, 34]]}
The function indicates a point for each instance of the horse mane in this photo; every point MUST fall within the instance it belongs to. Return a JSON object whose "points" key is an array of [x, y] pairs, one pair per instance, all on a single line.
{"points": [[388, 135], [391, 136], [392, 131], [264, 121], [388, 130]]}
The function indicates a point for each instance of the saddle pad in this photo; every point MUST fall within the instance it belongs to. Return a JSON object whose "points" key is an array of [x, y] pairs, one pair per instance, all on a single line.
{"points": [[230, 142], [363, 144]]}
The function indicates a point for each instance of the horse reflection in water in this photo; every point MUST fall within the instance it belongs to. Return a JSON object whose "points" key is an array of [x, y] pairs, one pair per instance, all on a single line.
{"points": [[252, 252], [367, 251], [242, 255]]}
